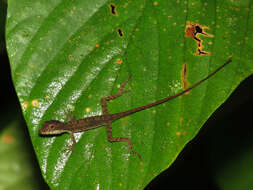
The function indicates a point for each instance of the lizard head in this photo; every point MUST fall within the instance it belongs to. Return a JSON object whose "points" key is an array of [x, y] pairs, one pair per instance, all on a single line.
{"points": [[52, 127]]}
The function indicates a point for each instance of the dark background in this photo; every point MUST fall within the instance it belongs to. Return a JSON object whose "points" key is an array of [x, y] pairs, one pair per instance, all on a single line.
{"points": [[226, 133]]}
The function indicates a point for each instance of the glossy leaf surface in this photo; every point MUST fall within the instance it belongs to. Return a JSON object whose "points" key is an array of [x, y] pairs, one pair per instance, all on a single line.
{"points": [[17, 170]]}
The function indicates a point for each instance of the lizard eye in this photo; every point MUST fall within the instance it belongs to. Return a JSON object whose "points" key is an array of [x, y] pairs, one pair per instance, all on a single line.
{"points": [[51, 126]]}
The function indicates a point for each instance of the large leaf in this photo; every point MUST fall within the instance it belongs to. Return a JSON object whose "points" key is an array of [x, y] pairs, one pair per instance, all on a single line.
{"points": [[17, 169], [231, 150], [66, 55]]}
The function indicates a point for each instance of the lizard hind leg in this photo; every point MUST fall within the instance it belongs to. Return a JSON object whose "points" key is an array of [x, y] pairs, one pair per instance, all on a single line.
{"points": [[112, 139], [108, 98]]}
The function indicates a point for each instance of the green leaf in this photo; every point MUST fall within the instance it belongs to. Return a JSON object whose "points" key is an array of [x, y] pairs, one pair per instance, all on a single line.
{"points": [[231, 150], [66, 55], [237, 173], [17, 169]]}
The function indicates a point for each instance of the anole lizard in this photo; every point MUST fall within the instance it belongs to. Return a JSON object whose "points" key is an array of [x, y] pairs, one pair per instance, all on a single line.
{"points": [[55, 127]]}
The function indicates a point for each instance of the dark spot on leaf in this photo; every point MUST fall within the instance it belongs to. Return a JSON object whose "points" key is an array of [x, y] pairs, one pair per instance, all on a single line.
{"points": [[113, 9], [201, 52], [193, 30], [120, 32]]}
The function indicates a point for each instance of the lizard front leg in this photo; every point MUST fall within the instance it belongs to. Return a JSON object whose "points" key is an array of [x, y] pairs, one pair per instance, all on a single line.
{"points": [[108, 98], [71, 147]]}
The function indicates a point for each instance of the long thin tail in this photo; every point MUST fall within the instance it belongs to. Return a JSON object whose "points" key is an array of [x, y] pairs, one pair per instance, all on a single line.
{"points": [[123, 114]]}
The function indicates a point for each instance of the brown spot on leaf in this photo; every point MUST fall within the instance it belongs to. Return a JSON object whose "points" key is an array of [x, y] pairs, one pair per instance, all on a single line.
{"points": [[119, 61], [181, 120], [35, 103], [88, 109], [7, 139], [70, 57], [184, 75], [25, 105]]}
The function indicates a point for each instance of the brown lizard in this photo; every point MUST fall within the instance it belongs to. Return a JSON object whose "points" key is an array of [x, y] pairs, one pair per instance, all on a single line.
{"points": [[55, 127]]}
